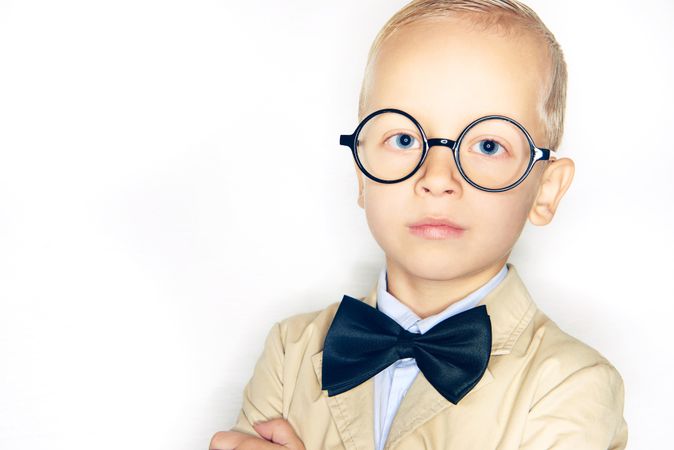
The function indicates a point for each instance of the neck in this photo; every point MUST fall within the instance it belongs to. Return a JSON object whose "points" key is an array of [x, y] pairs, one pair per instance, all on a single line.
{"points": [[426, 296]]}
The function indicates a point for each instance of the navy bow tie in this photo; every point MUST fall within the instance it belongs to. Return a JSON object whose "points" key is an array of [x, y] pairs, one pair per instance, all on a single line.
{"points": [[362, 341]]}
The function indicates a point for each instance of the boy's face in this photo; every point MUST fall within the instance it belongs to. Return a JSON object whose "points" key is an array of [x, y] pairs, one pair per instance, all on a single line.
{"points": [[446, 75]]}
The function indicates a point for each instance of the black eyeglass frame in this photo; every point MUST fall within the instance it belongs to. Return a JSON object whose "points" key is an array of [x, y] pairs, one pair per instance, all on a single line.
{"points": [[536, 153]]}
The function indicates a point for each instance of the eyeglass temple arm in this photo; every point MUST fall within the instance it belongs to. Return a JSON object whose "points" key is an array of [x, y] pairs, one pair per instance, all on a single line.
{"points": [[346, 139], [544, 153]]}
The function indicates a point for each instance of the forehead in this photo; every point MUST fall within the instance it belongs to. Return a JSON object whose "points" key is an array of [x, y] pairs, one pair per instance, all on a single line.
{"points": [[446, 73]]}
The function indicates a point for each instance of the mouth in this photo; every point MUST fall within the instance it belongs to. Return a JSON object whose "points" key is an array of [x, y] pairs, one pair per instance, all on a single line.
{"points": [[436, 228]]}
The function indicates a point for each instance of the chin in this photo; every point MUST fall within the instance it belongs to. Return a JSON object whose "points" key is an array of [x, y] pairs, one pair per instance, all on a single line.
{"points": [[433, 266]]}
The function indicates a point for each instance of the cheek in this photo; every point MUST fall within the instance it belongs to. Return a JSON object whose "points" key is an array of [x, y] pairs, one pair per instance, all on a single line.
{"points": [[501, 220], [383, 206]]}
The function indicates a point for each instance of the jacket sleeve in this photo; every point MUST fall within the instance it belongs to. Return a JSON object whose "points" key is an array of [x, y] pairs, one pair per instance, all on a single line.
{"points": [[583, 411], [263, 394]]}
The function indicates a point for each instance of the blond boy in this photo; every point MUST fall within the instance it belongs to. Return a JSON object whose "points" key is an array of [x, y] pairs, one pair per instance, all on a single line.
{"points": [[461, 112]]}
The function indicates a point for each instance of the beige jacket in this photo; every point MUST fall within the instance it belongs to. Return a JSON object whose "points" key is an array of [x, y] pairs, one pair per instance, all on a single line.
{"points": [[543, 389]]}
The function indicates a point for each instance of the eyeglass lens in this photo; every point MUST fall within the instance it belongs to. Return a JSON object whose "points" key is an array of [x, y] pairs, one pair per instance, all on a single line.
{"points": [[493, 153]]}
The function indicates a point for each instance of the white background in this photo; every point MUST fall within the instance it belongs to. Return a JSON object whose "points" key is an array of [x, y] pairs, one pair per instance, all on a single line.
{"points": [[171, 184]]}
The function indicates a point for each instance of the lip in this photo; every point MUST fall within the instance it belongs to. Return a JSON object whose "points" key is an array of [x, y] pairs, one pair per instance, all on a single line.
{"points": [[436, 228]]}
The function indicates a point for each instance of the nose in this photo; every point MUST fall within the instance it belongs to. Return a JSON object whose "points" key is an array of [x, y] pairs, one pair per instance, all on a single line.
{"points": [[439, 173]]}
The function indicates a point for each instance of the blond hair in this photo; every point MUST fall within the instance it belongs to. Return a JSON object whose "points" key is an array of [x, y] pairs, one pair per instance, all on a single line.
{"points": [[502, 15]]}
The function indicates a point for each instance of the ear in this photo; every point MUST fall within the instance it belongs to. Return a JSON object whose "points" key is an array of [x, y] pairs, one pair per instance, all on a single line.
{"points": [[554, 183], [359, 175]]}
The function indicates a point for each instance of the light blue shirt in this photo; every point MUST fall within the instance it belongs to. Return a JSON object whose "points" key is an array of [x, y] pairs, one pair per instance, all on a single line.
{"points": [[391, 384]]}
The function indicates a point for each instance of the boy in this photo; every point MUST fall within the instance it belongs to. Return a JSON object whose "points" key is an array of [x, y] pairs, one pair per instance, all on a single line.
{"points": [[461, 103]]}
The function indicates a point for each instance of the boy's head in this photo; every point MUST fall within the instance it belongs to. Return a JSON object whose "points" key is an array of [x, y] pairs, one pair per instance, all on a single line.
{"points": [[448, 63]]}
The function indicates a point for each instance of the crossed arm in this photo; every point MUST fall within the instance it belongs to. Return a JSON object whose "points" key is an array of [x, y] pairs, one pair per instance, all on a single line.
{"points": [[275, 434]]}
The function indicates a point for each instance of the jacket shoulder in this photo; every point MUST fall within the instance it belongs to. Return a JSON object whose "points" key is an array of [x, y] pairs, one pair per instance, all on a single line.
{"points": [[289, 345], [559, 355], [559, 344], [307, 330], [572, 383]]}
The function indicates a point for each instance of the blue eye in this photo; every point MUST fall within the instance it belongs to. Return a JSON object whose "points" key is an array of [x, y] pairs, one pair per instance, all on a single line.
{"points": [[403, 140], [489, 147]]}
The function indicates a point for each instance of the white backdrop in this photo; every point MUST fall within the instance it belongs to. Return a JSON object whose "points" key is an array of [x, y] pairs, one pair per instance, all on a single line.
{"points": [[171, 184]]}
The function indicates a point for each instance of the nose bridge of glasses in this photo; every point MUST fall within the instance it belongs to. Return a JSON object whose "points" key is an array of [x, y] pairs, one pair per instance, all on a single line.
{"points": [[441, 141]]}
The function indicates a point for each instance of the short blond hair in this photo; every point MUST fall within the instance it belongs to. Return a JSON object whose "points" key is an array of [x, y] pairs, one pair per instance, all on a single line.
{"points": [[502, 15]]}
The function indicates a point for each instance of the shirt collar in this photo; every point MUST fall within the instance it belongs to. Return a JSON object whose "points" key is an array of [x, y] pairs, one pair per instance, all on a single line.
{"points": [[404, 316]]}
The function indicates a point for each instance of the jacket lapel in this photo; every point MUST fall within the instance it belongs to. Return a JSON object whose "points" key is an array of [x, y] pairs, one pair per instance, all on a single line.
{"points": [[352, 410], [510, 308]]}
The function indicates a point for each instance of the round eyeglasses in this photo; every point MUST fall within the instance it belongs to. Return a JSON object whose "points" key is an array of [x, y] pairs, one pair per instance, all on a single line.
{"points": [[493, 153]]}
